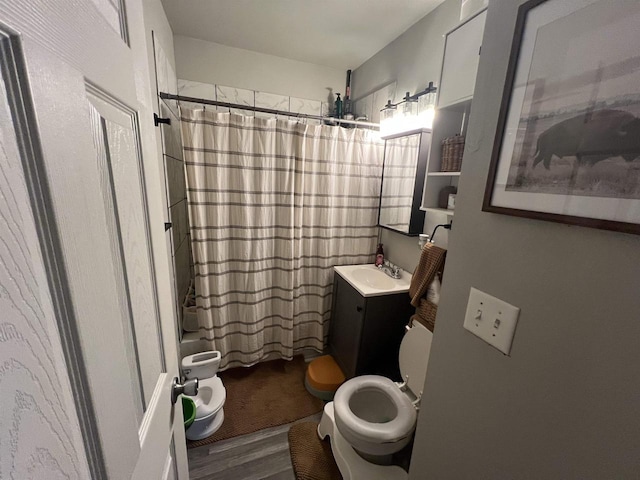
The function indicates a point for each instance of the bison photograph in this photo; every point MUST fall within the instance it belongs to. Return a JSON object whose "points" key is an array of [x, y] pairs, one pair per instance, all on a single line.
{"points": [[577, 131], [594, 153], [567, 146], [591, 138]]}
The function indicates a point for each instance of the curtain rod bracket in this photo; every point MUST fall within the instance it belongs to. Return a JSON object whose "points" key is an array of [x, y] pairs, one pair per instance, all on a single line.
{"points": [[158, 120]]}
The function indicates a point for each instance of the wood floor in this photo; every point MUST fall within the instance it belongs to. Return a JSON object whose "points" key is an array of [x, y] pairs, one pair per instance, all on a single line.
{"points": [[262, 455]]}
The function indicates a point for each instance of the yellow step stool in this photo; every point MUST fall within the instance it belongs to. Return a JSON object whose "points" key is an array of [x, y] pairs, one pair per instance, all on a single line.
{"points": [[323, 377]]}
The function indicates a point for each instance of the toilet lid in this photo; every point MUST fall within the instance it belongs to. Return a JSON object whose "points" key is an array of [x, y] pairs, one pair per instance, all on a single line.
{"points": [[414, 356], [210, 398]]}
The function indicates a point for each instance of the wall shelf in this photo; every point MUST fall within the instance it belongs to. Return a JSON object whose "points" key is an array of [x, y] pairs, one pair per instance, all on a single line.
{"points": [[447, 212], [458, 104], [455, 94]]}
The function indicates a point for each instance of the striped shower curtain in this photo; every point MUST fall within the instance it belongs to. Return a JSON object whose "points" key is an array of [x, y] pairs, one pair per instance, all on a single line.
{"points": [[273, 206]]}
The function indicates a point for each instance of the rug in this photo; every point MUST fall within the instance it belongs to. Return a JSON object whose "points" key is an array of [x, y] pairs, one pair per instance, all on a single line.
{"points": [[265, 395], [311, 457]]}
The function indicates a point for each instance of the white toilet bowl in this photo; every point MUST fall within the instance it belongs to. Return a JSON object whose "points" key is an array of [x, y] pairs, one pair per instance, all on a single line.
{"points": [[377, 416], [211, 393], [374, 416]]}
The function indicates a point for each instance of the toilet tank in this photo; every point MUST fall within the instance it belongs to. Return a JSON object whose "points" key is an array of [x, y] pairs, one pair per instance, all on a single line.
{"points": [[201, 365]]}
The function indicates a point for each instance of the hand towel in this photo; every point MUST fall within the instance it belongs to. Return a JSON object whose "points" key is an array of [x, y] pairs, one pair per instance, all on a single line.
{"points": [[431, 262]]}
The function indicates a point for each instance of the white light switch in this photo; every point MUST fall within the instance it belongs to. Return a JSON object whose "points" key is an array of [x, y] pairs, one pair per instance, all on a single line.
{"points": [[491, 319]]}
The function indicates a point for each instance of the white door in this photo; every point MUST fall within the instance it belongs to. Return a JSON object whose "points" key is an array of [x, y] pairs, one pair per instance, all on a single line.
{"points": [[78, 124]]}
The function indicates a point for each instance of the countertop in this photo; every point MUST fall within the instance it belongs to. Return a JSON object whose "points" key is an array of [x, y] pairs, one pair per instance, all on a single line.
{"points": [[354, 274]]}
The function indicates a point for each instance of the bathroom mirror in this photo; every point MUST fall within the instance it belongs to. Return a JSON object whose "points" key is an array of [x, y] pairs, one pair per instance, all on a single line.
{"points": [[405, 161]]}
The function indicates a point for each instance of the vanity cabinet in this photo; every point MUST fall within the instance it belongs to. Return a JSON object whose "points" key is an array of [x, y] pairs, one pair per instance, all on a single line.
{"points": [[365, 332]]}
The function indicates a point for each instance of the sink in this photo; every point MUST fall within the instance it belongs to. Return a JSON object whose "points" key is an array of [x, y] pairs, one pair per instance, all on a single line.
{"points": [[370, 281], [373, 278]]}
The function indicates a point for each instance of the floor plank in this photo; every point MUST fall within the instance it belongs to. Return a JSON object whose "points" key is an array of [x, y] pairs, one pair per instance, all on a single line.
{"points": [[262, 455]]}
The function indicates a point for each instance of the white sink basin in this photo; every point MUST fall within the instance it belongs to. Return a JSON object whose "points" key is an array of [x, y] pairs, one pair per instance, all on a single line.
{"points": [[370, 281], [373, 278]]}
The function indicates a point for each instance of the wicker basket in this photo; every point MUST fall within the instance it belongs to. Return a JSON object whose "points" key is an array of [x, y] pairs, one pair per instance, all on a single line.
{"points": [[452, 149]]}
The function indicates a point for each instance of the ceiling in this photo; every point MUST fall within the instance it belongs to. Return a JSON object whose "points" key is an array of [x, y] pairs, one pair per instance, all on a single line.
{"points": [[336, 33]]}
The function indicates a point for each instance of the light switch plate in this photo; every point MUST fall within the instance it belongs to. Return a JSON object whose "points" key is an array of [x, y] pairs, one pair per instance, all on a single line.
{"points": [[491, 319]]}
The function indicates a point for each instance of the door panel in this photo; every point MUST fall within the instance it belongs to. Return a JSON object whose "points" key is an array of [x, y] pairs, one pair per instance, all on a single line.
{"points": [[112, 13], [103, 202], [39, 433], [347, 316], [126, 316], [69, 159], [119, 166]]}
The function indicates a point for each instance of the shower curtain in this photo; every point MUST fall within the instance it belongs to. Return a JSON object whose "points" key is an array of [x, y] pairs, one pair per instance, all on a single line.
{"points": [[273, 206]]}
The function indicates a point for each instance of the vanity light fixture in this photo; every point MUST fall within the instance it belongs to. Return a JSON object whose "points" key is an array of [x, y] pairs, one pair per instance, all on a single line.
{"points": [[387, 116], [417, 111]]}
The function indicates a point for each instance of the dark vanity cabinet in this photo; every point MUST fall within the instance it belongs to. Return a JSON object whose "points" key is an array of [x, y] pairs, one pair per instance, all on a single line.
{"points": [[365, 332]]}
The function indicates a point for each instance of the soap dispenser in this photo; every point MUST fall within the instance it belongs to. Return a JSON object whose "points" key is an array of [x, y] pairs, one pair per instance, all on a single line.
{"points": [[379, 256], [338, 104]]}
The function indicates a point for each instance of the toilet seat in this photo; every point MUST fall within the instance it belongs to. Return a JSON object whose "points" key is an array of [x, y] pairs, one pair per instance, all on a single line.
{"points": [[210, 398], [357, 429], [364, 406]]}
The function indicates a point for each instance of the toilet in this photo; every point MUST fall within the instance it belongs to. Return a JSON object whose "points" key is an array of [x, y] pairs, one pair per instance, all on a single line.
{"points": [[373, 417], [211, 393]]}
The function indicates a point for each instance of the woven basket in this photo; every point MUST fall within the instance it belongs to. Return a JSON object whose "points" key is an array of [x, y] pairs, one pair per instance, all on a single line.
{"points": [[426, 314], [452, 149]]}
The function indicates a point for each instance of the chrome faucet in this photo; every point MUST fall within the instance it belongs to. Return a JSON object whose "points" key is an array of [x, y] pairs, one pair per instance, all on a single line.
{"points": [[390, 269]]}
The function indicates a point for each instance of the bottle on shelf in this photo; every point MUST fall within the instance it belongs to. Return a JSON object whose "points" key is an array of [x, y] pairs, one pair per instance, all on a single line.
{"points": [[346, 107], [338, 104]]}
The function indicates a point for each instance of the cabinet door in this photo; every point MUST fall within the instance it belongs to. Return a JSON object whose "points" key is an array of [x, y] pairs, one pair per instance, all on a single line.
{"points": [[346, 325], [382, 332], [461, 57]]}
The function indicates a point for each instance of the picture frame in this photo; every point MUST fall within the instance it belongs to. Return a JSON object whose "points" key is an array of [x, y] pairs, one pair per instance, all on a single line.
{"points": [[567, 144]]}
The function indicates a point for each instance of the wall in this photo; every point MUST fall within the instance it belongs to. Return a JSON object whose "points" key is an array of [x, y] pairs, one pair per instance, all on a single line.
{"points": [[156, 22], [208, 62], [162, 65], [410, 61], [565, 403], [252, 98]]}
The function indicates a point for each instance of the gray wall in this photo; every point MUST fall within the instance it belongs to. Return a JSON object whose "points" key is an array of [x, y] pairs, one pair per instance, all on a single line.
{"points": [[170, 143], [411, 60], [209, 62], [566, 403]]}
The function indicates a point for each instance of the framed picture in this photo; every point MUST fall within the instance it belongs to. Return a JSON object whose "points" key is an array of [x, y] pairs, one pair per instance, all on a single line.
{"points": [[567, 147]]}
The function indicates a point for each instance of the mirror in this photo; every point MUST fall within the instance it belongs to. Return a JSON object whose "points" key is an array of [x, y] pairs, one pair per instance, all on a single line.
{"points": [[405, 161]]}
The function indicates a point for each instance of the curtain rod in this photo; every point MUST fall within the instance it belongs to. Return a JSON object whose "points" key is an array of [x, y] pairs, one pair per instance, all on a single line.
{"points": [[182, 98]]}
